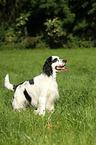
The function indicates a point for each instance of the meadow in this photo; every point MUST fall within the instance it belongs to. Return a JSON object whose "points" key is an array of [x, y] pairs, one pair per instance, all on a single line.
{"points": [[74, 119]]}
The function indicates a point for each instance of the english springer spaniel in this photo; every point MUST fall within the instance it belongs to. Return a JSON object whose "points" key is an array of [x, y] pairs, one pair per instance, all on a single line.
{"points": [[41, 91]]}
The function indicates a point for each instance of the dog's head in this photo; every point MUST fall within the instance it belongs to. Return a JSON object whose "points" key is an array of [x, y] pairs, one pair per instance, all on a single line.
{"points": [[54, 64]]}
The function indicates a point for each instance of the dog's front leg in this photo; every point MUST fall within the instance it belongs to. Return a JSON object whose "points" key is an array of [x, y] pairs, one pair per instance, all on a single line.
{"points": [[41, 106]]}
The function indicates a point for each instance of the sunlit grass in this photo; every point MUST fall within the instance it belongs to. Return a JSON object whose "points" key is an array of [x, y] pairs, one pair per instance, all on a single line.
{"points": [[74, 119]]}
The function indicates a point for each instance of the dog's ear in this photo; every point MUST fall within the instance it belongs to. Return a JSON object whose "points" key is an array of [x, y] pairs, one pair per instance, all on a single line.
{"points": [[47, 69]]}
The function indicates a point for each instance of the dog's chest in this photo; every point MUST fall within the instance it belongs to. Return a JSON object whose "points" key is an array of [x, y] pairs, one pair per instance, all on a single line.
{"points": [[53, 85], [53, 88]]}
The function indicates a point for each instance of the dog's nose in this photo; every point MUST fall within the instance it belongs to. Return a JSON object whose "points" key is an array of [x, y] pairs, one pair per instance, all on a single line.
{"points": [[64, 61]]}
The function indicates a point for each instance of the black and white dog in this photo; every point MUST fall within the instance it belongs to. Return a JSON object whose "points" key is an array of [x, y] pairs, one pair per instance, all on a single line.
{"points": [[41, 91]]}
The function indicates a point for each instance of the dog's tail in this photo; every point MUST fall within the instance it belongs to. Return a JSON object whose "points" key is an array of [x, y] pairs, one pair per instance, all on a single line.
{"points": [[7, 83]]}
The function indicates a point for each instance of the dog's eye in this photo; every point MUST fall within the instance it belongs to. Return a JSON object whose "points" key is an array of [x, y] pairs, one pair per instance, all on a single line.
{"points": [[55, 60]]}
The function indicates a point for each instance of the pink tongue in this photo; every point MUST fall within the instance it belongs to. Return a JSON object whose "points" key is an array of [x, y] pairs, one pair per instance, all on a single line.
{"points": [[62, 68], [65, 69]]}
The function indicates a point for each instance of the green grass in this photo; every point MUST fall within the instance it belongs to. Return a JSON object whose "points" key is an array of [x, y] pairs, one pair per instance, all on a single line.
{"points": [[74, 119]]}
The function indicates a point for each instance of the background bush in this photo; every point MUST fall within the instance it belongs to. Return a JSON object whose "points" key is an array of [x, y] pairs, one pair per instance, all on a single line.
{"points": [[54, 32], [75, 26]]}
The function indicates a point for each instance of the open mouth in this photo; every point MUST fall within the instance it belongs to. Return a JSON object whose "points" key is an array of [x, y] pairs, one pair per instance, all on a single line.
{"points": [[61, 68]]}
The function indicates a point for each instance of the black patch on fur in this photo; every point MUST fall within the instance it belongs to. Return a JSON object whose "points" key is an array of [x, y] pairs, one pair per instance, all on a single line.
{"points": [[47, 69], [27, 96], [64, 61], [15, 86], [54, 60], [31, 82]]}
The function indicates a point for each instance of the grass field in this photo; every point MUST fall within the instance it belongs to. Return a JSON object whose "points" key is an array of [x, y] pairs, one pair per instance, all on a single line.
{"points": [[74, 119]]}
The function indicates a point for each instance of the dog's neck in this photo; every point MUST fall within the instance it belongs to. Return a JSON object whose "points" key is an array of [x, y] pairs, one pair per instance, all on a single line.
{"points": [[54, 75]]}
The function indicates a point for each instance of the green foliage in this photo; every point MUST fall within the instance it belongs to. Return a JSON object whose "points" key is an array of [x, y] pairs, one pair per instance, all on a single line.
{"points": [[21, 21], [27, 43], [21, 24], [13, 46], [31, 42], [80, 25], [28, 18], [54, 32], [76, 42], [91, 11], [17, 32], [2, 34], [10, 35], [74, 119], [84, 24]]}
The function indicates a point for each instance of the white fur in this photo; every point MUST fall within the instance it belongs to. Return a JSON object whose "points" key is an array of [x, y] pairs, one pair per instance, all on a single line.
{"points": [[43, 92], [7, 83]]}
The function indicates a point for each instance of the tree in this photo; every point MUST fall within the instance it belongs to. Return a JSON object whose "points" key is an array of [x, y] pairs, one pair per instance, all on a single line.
{"points": [[78, 18], [85, 18]]}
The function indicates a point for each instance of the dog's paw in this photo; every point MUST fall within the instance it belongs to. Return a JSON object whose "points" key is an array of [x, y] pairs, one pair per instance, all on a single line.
{"points": [[40, 113], [36, 112]]}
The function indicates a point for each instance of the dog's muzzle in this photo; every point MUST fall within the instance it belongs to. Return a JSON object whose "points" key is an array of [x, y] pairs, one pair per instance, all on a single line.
{"points": [[62, 67]]}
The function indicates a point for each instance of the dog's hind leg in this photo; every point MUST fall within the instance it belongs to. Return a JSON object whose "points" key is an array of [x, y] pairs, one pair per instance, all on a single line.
{"points": [[18, 101]]}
